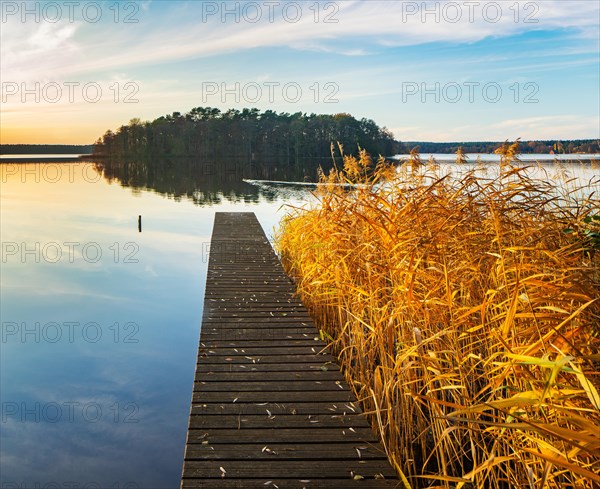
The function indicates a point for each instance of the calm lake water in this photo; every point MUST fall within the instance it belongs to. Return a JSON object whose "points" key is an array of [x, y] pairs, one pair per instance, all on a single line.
{"points": [[100, 322]]}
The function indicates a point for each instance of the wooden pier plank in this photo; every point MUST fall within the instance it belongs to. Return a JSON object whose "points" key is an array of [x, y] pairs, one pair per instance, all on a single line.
{"points": [[270, 407]]}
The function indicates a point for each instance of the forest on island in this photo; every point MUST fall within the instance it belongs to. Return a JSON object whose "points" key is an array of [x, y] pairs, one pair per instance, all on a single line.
{"points": [[255, 136]]}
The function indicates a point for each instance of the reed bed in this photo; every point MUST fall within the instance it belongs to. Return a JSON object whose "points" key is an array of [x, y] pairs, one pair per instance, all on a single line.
{"points": [[465, 313]]}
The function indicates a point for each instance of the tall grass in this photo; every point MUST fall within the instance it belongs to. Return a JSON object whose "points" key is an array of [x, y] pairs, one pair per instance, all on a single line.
{"points": [[465, 312]]}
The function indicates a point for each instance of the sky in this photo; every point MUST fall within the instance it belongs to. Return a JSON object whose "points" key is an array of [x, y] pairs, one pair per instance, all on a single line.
{"points": [[426, 70]]}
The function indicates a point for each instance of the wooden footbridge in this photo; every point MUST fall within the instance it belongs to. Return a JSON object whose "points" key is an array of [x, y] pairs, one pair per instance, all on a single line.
{"points": [[270, 408]]}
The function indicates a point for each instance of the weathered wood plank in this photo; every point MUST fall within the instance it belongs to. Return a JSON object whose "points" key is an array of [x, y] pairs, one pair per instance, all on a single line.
{"points": [[209, 332], [247, 421], [267, 322], [266, 420], [243, 344], [287, 468], [252, 351], [267, 367], [282, 435], [286, 451], [260, 323], [315, 375], [274, 396], [294, 408], [274, 483], [273, 386], [253, 359], [310, 343]]}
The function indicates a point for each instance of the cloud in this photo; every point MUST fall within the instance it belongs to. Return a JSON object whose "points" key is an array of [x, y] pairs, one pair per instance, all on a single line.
{"points": [[37, 51], [552, 126], [527, 128], [44, 48]]}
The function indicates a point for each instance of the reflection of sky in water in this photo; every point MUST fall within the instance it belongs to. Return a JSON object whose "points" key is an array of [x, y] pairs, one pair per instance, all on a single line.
{"points": [[83, 391]]}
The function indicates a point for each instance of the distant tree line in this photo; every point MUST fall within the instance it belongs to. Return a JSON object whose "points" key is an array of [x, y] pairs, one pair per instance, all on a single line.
{"points": [[266, 138], [542, 147], [37, 149]]}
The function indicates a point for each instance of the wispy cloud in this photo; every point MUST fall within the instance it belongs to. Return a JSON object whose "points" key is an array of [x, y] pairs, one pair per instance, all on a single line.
{"points": [[554, 126], [54, 48], [541, 127]]}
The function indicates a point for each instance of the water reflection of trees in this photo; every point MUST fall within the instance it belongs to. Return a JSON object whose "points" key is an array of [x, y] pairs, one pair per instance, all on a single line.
{"points": [[205, 182]]}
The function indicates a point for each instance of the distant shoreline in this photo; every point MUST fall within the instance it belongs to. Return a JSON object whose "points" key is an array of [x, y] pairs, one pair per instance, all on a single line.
{"points": [[399, 159], [45, 149], [44, 158]]}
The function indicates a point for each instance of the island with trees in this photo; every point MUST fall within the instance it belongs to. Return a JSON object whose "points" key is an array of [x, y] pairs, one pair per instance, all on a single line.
{"points": [[295, 144]]}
